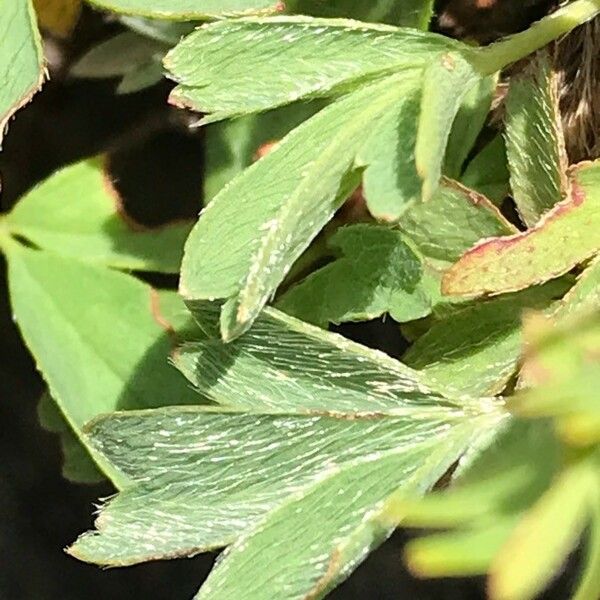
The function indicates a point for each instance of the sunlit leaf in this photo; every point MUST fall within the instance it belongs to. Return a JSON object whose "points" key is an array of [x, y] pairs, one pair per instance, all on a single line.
{"points": [[565, 237], [73, 315], [21, 61], [321, 57], [77, 212]]}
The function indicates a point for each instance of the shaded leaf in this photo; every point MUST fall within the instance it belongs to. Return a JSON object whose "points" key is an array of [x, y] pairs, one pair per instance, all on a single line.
{"points": [[21, 60], [488, 173], [78, 466], [118, 56], [73, 315], [566, 236], [233, 68], [302, 368], [188, 9], [76, 212], [408, 13], [391, 183], [469, 121], [534, 140], [476, 349], [377, 272]]}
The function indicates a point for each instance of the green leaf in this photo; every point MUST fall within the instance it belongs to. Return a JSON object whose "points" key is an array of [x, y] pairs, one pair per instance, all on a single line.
{"points": [[78, 466], [475, 350], [22, 69], [391, 183], [584, 295], [203, 478], [488, 173], [231, 68], [331, 528], [97, 336], [76, 212], [378, 272], [451, 222], [562, 371], [118, 56], [568, 235], [306, 369], [241, 249], [469, 122], [188, 9], [407, 13], [231, 146], [503, 481], [543, 539], [447, 81], [534, 140], [590, 576]]}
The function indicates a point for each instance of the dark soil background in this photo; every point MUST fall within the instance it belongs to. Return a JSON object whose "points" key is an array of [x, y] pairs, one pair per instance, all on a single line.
{"points": [[41, 513]]}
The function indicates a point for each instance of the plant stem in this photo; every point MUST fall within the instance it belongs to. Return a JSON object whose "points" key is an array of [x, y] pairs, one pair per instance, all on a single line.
{"points": [[497, 56]]}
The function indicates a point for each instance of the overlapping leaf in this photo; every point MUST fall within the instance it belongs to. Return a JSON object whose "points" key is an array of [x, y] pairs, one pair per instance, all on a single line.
{"points": [[534, 140], [300, 183], [76, 212], [378, 272], [21, 60], [203, 478], [292, 358], [58, 16], [73, 315], [475, 350], [566, 236], [188, 9], [319, 57]]}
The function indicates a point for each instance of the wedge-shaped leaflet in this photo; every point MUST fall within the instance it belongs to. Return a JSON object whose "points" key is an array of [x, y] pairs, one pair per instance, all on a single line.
{"points": [[251, 233], [202, 478], [332, 527], [97, 335], [188, 9], [302, 368], [475, 350], [451, 222], [21, 58], [378, 272], [565, 237], [484, 506], [534, 140], [76, 212], [250, 65]]}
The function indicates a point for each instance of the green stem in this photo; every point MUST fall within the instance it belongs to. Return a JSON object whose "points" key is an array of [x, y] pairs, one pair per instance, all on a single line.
{"points": [[497, 56]]}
